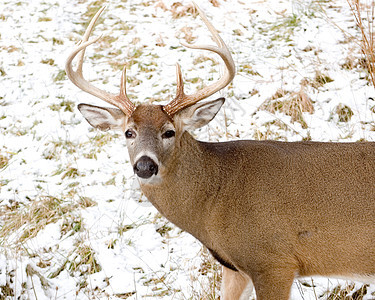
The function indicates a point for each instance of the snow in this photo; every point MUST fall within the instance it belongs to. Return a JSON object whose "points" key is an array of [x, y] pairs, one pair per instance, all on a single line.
{"points": [[52, 152]]}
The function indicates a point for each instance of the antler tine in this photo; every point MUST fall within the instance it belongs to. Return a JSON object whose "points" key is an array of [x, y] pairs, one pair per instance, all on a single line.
{"points": [[180, 83], [181, 100], [121, 101]]}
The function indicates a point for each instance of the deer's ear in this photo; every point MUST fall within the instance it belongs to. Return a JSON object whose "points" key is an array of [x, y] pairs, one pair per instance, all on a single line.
{"points": [[103, 118], [199, 114]]}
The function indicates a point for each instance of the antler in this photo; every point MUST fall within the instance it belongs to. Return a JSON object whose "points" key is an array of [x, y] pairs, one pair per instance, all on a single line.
{"points": [[121, 100], [182, 100]]}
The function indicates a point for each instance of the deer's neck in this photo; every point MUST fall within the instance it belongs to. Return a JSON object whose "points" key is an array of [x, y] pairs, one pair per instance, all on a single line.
{"points": [[182, 195]]}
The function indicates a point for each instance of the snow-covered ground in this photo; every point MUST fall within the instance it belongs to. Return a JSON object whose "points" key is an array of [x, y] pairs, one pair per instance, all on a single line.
{"points": [[73, 223]]}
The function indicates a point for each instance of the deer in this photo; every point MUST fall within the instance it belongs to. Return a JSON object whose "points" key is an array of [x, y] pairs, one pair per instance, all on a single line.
{"points": [[268, 211]]}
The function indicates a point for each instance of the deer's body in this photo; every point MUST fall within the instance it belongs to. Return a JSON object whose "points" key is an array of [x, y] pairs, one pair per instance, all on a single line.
{"points": [[268, 211], [305, 208]]}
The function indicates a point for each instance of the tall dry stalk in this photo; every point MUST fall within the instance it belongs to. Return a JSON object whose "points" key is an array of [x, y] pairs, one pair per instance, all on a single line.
{"points": [[366, 26]]}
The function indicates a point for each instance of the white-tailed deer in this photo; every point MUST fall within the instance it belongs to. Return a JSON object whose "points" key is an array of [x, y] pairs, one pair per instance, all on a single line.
{"points": [[268, 211]]}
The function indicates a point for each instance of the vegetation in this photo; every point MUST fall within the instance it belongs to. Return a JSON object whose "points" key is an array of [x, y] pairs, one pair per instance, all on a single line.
{"points": [[67, 199], [364, 13]]}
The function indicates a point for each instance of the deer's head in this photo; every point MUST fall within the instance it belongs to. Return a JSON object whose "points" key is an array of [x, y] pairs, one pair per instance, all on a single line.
{"points": [[152, 131]]}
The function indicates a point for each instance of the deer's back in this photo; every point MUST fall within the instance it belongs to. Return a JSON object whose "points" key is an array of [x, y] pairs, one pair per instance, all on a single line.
{"points": [[317, 169]]}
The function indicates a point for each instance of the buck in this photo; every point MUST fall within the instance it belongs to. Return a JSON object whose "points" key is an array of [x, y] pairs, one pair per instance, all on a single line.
{"points": [[268, 211]]}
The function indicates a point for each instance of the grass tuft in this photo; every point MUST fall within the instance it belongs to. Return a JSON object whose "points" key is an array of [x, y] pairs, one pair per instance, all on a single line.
{"points": [[48, 61], [6, 291], [293, 104], [29, 219], [4, 161], [60, 76], [44, 19], [321, 79], [65, 104], [344, 112], [84, 261]]}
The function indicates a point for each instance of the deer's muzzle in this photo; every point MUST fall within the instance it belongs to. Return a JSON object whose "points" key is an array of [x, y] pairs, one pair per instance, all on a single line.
{"points": [[145, 167]]}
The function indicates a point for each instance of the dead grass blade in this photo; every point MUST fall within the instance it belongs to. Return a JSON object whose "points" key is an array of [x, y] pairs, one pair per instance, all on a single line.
{"points": [[366, 27]]}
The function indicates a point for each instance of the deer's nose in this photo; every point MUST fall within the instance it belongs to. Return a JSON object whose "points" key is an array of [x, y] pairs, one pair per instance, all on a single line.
{"points": [[145, 167]]}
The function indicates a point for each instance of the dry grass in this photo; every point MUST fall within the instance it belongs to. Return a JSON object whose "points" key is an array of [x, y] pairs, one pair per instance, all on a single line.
{"points": [[293, 104], [364, 13], [32, 217], [3, 161], [21, 222], [84, 261], [215, 3], [211, 269], [347, 292], [344, 113], [177, 9], [320, 80], [188, 34]]}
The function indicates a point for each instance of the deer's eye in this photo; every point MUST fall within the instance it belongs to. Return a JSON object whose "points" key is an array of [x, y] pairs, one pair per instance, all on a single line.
{"points": [[130, 134], [168, 134]]}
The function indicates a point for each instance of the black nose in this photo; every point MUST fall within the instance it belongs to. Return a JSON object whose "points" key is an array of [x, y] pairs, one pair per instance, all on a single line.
{"points": [[145, 167]]}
